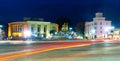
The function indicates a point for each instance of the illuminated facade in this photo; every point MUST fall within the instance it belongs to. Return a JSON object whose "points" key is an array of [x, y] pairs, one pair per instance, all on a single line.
{"points": [[98, 28], [116, 34], [26, 28], [65, 27]]}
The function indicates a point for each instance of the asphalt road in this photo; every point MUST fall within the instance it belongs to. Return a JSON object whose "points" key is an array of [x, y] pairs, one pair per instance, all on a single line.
{"points": [[95, 52], [18, 46], [7, 47], [18, 49]]}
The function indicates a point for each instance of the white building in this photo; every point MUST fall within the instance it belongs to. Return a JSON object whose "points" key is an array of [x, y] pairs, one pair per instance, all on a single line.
{"points": [[30, 27], [98, 28], [2, 32]]}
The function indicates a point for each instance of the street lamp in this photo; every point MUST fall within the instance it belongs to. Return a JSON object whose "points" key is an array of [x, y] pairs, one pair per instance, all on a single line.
{"points": [[1, 26], [55, 33], [70, 28], [93, 31]]}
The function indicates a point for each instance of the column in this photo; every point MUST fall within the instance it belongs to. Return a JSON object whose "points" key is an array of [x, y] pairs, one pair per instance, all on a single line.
{"points": [[47, 30], [9, 30], [35, 28], [18, 27], [42, 29]]}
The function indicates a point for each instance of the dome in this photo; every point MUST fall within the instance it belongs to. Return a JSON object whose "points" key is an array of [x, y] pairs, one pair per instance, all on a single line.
{"points": [[99, 14]]}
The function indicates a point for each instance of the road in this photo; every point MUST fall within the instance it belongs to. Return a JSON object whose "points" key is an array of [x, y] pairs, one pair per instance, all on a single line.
{"points": [[18, 49], [94, 52]]}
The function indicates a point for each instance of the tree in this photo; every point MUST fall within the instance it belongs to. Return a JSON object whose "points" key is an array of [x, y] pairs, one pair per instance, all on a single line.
{"points": [[80, 27]]}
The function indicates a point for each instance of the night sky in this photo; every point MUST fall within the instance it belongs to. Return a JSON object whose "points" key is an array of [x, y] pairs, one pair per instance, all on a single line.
{"points": [[76, 10]]}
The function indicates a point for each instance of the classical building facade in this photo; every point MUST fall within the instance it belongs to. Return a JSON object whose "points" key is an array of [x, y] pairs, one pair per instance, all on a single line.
{"points": [[31, 27], [98, 28]]}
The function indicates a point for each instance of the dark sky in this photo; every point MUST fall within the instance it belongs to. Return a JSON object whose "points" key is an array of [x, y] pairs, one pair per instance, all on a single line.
{"points": [[76, 10]]}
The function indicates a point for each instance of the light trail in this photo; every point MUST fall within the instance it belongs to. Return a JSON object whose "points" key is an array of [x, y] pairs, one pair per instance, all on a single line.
{"points": [[41, 51]]}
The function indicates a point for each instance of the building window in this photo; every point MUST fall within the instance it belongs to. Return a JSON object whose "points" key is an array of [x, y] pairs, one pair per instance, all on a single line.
{"points": [[100, 27], [21, 28], [95, 28], [95, 23], [32, 28], [38, 29], [15, 28], [45, 28]]}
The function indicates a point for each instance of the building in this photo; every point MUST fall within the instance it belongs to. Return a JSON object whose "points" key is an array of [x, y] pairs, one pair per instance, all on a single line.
{"points": [[65, 27], [116, 33], [31, 27], [99, 27], [2, 33]]}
